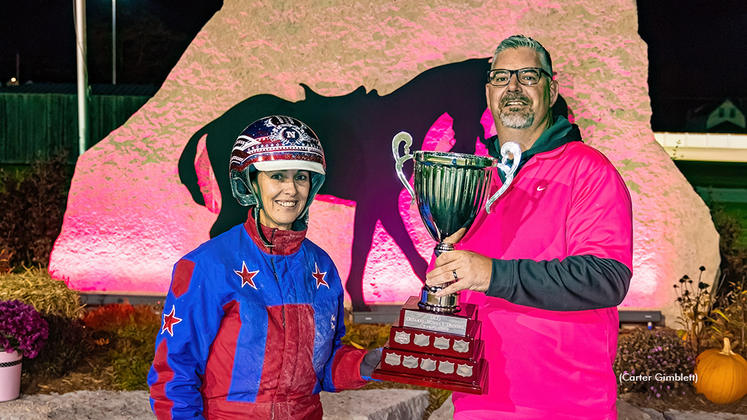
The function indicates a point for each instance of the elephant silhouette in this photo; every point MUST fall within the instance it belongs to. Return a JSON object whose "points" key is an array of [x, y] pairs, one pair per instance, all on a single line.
{"points": [[356, 131]]}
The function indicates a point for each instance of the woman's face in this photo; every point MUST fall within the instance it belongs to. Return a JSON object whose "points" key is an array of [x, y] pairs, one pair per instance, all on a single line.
{"points": [[284, 195]]}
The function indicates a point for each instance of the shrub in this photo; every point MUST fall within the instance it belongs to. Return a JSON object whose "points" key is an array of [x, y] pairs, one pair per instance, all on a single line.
{"points": [[694, 300], [129, 335], [366, 336], [133, 355], [33, 204], [646, 353], [114, 317], [22, 328], [733, 256], [729, 319], [71, 346]]}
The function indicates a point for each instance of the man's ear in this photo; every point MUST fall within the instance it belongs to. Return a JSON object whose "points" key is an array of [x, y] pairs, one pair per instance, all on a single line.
{"points": [[553, 92]]}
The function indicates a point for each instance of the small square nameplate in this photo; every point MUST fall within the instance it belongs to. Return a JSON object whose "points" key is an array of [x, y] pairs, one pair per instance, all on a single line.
{"points": [[435, 322]]}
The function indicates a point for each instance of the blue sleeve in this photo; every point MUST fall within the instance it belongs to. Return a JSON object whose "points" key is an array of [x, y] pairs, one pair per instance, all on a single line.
{"points": [[191, 319]]}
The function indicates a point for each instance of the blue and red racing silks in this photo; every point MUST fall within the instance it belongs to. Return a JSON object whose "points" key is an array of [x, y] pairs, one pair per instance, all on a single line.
{"points": [[252, 332]]}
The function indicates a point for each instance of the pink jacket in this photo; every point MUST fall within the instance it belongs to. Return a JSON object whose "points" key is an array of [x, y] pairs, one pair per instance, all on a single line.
{"points": [[551, 364]]}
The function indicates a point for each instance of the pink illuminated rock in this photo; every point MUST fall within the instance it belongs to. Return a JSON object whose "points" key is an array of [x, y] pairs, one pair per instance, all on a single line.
{"points": [[129, 218], [325, 211], [206, 178]]}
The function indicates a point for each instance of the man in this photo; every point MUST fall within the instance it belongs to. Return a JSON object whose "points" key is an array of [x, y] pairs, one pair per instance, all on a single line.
{"points": [[550, 263]]}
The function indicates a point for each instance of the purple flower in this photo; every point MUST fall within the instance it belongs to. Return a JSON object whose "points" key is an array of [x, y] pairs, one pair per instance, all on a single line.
{"points": [[22, 328]]}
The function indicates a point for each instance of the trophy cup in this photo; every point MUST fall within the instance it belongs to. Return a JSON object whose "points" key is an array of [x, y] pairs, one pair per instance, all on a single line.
{"points": [[436, 342]]}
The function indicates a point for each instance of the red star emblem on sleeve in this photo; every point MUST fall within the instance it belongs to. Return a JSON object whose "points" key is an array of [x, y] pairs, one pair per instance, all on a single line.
{"points": [[247, 277], [169, 320], [319, 276]]}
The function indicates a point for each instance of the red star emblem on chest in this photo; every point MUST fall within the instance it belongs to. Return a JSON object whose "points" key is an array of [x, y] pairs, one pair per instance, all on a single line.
{"points": [[169, 320], [247, 277], [319, 276]]}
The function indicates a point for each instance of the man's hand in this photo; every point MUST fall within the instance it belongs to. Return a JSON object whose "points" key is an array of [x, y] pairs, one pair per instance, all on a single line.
{"points": [[473, 271]]}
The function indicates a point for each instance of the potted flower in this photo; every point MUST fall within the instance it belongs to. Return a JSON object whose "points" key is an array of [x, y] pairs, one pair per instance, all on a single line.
{"points": [[23, 333]]}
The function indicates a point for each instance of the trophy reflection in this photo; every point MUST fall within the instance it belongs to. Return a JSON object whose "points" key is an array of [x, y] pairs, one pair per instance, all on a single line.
{"points": [[435, 341]]}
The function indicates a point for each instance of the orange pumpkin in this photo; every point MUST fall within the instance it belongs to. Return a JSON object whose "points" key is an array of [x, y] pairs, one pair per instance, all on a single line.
{"points": [[721, 375]]}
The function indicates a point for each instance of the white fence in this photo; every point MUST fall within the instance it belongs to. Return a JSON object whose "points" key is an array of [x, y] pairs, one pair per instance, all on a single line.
{"points": [[704, 146]]}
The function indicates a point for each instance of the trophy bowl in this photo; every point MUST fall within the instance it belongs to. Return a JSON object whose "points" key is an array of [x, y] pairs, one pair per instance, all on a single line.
{"points": [[449, 190]]}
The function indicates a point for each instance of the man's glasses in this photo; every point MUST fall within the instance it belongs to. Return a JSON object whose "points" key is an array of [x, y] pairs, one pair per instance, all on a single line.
{"points": [[527, 76]]}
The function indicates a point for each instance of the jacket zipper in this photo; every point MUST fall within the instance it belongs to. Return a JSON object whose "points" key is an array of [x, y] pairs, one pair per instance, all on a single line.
{"points": [[277, 280], [282, 308], [282, 316]]}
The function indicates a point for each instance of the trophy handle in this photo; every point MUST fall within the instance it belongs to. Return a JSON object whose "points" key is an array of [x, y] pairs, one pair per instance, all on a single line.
{"points": [[515, 150], [403, 137]]}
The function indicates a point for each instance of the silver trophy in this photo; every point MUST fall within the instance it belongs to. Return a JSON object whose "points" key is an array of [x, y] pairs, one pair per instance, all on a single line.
{"points": [[450, 189]]}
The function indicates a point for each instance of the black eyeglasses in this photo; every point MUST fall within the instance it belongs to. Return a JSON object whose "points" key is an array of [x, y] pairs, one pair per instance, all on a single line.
{"points": [[527, 76]]}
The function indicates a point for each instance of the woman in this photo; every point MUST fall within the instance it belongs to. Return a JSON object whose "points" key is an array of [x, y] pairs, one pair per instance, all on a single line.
{"points": [[254, 317]]}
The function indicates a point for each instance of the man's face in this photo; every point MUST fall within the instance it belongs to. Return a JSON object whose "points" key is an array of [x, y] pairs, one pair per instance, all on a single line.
{"points": [[515, 105]]}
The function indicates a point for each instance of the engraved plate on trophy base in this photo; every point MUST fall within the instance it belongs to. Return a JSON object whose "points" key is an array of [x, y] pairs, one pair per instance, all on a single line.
{"points": [[434, 342], [413, 317], [424, 376], [432, 366]]}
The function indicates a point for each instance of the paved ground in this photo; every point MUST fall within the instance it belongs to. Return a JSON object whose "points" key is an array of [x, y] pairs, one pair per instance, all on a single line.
{"points": [[375, 404], [625, 411], [378, 404]]}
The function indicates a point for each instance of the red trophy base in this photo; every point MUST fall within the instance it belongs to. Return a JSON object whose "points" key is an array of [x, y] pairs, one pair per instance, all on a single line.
{"points": [[435, 350]]}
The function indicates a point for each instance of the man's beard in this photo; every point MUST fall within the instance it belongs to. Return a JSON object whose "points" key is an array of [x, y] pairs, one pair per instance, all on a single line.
{"points": [[517, 119]]}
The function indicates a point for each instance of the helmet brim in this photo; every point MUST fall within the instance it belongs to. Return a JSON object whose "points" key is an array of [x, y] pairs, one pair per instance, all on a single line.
{"points": [[282, 165]]}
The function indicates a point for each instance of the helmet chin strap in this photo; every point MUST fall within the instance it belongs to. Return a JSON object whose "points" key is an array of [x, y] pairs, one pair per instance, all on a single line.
{"points": [[267, 243]]}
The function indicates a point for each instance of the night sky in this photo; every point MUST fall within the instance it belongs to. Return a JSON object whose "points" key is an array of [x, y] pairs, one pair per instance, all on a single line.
{"points": [[696, 54], [696, 47], [42, 32]]}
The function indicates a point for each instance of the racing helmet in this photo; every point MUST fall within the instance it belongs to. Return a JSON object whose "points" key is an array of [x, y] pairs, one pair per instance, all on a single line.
{"points": [[275, 143]]}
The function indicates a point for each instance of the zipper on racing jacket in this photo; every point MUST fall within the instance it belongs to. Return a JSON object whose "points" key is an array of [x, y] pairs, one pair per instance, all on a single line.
{"points": [[277, 280], [282, 316]]}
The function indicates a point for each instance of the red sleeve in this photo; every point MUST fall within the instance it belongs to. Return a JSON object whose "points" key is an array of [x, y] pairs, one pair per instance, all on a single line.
{"points": [[346, 368]]}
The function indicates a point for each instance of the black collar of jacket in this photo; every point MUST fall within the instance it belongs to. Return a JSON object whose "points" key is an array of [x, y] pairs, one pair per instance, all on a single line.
{"points": [[543, 144]]}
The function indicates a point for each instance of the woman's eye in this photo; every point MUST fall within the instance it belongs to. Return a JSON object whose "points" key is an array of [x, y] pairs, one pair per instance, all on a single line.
{"points": [[277, 176]]}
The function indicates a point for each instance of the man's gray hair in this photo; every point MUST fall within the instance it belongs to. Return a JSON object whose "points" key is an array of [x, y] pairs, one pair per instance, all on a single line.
{"points": [[521, 41]]}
